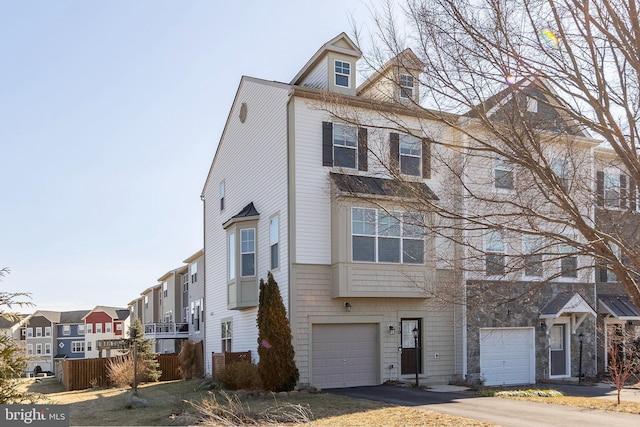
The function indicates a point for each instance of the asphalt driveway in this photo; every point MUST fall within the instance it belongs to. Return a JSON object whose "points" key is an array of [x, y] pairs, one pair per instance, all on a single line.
{"points": [[496, 410]]}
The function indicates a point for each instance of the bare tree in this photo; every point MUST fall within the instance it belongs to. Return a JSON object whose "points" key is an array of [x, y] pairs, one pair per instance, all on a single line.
{"points": [[623, 356], [517, 95]]}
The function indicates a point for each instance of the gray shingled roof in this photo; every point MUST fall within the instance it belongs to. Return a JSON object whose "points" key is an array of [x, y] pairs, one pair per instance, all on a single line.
{"points": [[73, 316], [618, 306], [356, 184]]}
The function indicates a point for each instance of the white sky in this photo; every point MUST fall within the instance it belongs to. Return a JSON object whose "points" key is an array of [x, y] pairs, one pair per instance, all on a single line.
{"points": [[110, 113]]}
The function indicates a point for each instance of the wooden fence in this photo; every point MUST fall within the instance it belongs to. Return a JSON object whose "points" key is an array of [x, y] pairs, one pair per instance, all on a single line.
{"points": [[80, 374], [220, 360]]}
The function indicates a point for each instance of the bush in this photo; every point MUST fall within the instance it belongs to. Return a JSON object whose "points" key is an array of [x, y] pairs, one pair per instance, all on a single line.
{"points": [[241, 375], [37, 370], [120, 371], [188, 361]]}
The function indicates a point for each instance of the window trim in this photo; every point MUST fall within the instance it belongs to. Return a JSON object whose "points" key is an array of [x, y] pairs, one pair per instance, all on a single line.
{"points": [[221, 192], [404, 87], [410, 140], [47, 331], [565, 250], [274, 242], [66, 330], [39, 332], [342, 73], [496, 253], [252, 252], [500, 163], [531, 245], [397, 217], [77, 346], [226, 335]]}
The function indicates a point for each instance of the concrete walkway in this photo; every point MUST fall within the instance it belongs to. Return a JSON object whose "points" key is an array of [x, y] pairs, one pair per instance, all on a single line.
{"points": [[504, 412]]}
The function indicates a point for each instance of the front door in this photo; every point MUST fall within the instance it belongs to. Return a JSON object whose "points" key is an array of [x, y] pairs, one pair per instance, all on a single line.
{"points": [[409, 349], [558, 350]]}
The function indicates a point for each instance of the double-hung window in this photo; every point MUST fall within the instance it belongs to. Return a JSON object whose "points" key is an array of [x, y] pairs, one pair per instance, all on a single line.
{"points": [[248, 252], [607, 275], [165, 289], [568, 260], [29, 332], [47, 348], [98, 328], [77, 346], [231, 257], [612, 190], [47, 331], [273, 242], [345, 145], [226, 336], [80, 329], [343, 73], [389, 237], [560, 168], [107, 327], [494, 253], [410, 155], [66, 330], [503, 173], [38, 348], [406, 86], [193, 269], [38, 331], [532, 247], [89, 328]]}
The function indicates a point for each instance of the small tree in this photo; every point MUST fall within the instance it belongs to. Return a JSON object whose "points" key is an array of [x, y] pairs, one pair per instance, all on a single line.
{"points": [[188, 359], [12, 359], [277, 367], [623, 356], [142, 349]]}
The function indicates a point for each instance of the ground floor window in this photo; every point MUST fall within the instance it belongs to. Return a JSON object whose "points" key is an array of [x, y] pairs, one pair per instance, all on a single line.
{"points": [[226, 336]]}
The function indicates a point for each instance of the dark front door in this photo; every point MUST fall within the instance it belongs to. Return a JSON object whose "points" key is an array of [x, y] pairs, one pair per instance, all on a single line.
{"points": [[558, 350], [409, 350]]}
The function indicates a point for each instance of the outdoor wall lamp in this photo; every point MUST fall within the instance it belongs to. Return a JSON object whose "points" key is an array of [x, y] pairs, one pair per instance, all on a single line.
{"points": [[392, 330], [347, 306]]}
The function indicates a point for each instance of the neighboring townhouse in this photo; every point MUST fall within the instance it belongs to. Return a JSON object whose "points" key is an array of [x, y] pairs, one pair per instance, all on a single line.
{"points": [[105, 328], [169, 332], [40, 339], [14, 329], [193, 296], [616, 213], [70, 336], [547, 317], [298, 192]]}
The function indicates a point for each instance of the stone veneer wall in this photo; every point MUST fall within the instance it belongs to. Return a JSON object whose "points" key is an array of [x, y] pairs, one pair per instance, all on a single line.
{"points": [[502, 305]]}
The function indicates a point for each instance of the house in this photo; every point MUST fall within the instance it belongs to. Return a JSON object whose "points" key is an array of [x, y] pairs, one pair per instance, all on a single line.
{"points": [[295, 191], [39, 339], [616, 212], [70, 336], [546, 326], [193, 295], [105, 328]]}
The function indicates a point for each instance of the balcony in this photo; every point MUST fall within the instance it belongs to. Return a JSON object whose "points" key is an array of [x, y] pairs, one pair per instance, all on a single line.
{"points": [[166, 330]]}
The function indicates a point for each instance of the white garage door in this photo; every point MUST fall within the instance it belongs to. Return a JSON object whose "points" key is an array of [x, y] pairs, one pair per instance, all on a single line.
{"points": [[507, 356], [344, 355]]}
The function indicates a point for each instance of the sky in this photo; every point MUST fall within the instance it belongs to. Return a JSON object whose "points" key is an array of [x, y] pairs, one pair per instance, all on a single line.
{"points": [[110, 114]]}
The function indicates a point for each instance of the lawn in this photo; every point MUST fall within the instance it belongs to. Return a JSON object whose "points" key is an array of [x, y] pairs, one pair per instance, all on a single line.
{"points": [[168, 405]]}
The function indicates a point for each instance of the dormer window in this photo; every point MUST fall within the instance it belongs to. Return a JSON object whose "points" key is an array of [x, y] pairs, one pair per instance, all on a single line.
{"points": [[343, 73], [406, 86]]}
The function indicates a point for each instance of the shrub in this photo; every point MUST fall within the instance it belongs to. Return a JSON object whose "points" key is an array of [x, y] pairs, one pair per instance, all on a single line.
{"points": [[37, 370], [120, 371], [241, 375], [188, 361]]}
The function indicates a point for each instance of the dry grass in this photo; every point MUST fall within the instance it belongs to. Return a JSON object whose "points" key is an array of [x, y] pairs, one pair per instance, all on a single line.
{"points": [[585, 402], [396, 416]]}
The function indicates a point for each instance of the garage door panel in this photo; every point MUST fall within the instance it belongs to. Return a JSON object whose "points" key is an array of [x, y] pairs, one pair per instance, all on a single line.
{"points": [[507, 356], [344, 355]]}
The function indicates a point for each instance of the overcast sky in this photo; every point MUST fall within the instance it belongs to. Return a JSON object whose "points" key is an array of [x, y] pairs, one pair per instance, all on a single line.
{"points": [[110, 114]]}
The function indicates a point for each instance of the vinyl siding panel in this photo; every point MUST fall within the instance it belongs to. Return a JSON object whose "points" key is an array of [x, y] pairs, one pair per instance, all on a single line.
{"points": [[252, 161], [318, 78]]}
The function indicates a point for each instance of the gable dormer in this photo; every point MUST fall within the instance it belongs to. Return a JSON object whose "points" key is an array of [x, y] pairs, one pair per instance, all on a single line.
{"points": [[396, 81], [332, 68]]}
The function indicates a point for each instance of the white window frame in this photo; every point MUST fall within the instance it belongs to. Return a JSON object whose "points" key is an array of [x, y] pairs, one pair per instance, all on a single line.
{"points": [[611, 188], [193, 270], [560, 168], [30, 349], [247, 248], [410, 148], [47, 331], [80, 329], [47, 348], [565, 249], [531, 246], [99, 328], [503, 167], [107, 327], [407, 85], [77, 346], [226, 335], [231, 256], [29, 332], [38, 331], [118, 326], [89, 345], [221, 195], [274, 239], [380, 226], [38, 349], [342, 69], [66, 330], [146, 301], [345, 137], [89, 328], [494, 246]]}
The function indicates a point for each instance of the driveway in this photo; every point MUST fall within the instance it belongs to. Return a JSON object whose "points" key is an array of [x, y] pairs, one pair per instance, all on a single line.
{"points": [[505, 412]]}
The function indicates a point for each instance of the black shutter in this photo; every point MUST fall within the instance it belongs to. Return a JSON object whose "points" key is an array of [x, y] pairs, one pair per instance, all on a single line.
{"points": [[632, 195], [603, 274], [426, 158], [623, 191], [394, 151], [363, 150], [600, 188], [327, 144]]}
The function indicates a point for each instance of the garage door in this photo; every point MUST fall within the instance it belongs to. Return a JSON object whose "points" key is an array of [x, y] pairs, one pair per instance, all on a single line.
{"points": [[507, 356], [344, 355]]}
